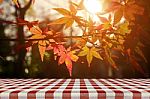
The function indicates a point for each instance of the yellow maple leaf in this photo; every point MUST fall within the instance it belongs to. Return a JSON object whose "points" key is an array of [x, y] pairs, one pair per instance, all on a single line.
{"points": [[89, 53], [123, 28], [69, 16]]}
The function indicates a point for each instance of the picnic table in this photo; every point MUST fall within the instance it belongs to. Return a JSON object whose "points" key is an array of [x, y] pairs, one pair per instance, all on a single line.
{"points": [[74, 88]]}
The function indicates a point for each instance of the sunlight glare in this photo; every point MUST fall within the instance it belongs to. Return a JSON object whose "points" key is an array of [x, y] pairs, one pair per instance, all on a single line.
{"points": [[93, 6]]}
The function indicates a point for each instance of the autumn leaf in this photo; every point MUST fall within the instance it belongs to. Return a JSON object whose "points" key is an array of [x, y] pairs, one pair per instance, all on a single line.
{"points": [[42, 47], [62, 20], [39, 34], [72, 9], [123, 28], [103, 19], [133, 61], [80, 42], [108, 56], [126, 8], [80, 5], [136, 65], [84, 52], [140, 52], [90, 24], [90, 53], [57, 48], [131, 8], [118, 15], [69, 16], [106, 23], [62, 11], [67, 57]]}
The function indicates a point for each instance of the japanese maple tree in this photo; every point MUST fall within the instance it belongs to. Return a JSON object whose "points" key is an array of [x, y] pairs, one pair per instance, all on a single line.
{"points": [[112, 33]]}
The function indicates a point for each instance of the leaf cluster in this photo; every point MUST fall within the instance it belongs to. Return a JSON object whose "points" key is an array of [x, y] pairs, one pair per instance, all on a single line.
{"points": [[98, 40]]}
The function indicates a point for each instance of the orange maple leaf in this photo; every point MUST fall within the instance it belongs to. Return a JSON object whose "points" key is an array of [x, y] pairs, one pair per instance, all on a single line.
{"points": [[106, 23], [126, 8], [67, 57], [39, 34]]}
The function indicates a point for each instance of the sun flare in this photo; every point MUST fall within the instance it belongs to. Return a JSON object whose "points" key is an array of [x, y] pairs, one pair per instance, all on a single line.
{"points": [[93, 6]]}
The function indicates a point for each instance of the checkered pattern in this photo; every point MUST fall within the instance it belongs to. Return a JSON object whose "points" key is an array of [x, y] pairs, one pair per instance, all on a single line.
{"points": [[75, 88]]}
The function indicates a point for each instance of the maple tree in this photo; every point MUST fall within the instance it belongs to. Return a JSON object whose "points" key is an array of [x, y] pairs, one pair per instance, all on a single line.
{"points": [[111, 33]]}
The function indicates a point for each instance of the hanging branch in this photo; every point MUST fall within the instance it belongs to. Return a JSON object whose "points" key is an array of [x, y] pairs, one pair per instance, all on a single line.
{"points": [[7, 22], [5, 39]]}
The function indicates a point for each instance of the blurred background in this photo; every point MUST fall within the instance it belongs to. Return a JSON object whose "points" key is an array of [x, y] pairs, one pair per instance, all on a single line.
{"points": [[16, 62]]}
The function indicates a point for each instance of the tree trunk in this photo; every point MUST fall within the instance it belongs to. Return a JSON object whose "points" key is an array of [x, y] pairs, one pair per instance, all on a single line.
{"points": [[19, 68]]}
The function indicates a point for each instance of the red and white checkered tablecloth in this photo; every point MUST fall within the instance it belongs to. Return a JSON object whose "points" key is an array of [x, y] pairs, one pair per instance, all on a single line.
{"points": [[75, 88]]}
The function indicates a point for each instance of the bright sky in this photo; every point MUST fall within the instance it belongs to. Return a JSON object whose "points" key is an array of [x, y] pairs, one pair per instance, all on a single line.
{"points": [[43, 8]]}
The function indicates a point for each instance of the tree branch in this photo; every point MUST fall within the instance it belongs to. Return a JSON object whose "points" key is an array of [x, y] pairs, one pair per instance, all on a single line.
{"points": [[27, 5], [7, 22], [7, 39]]}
